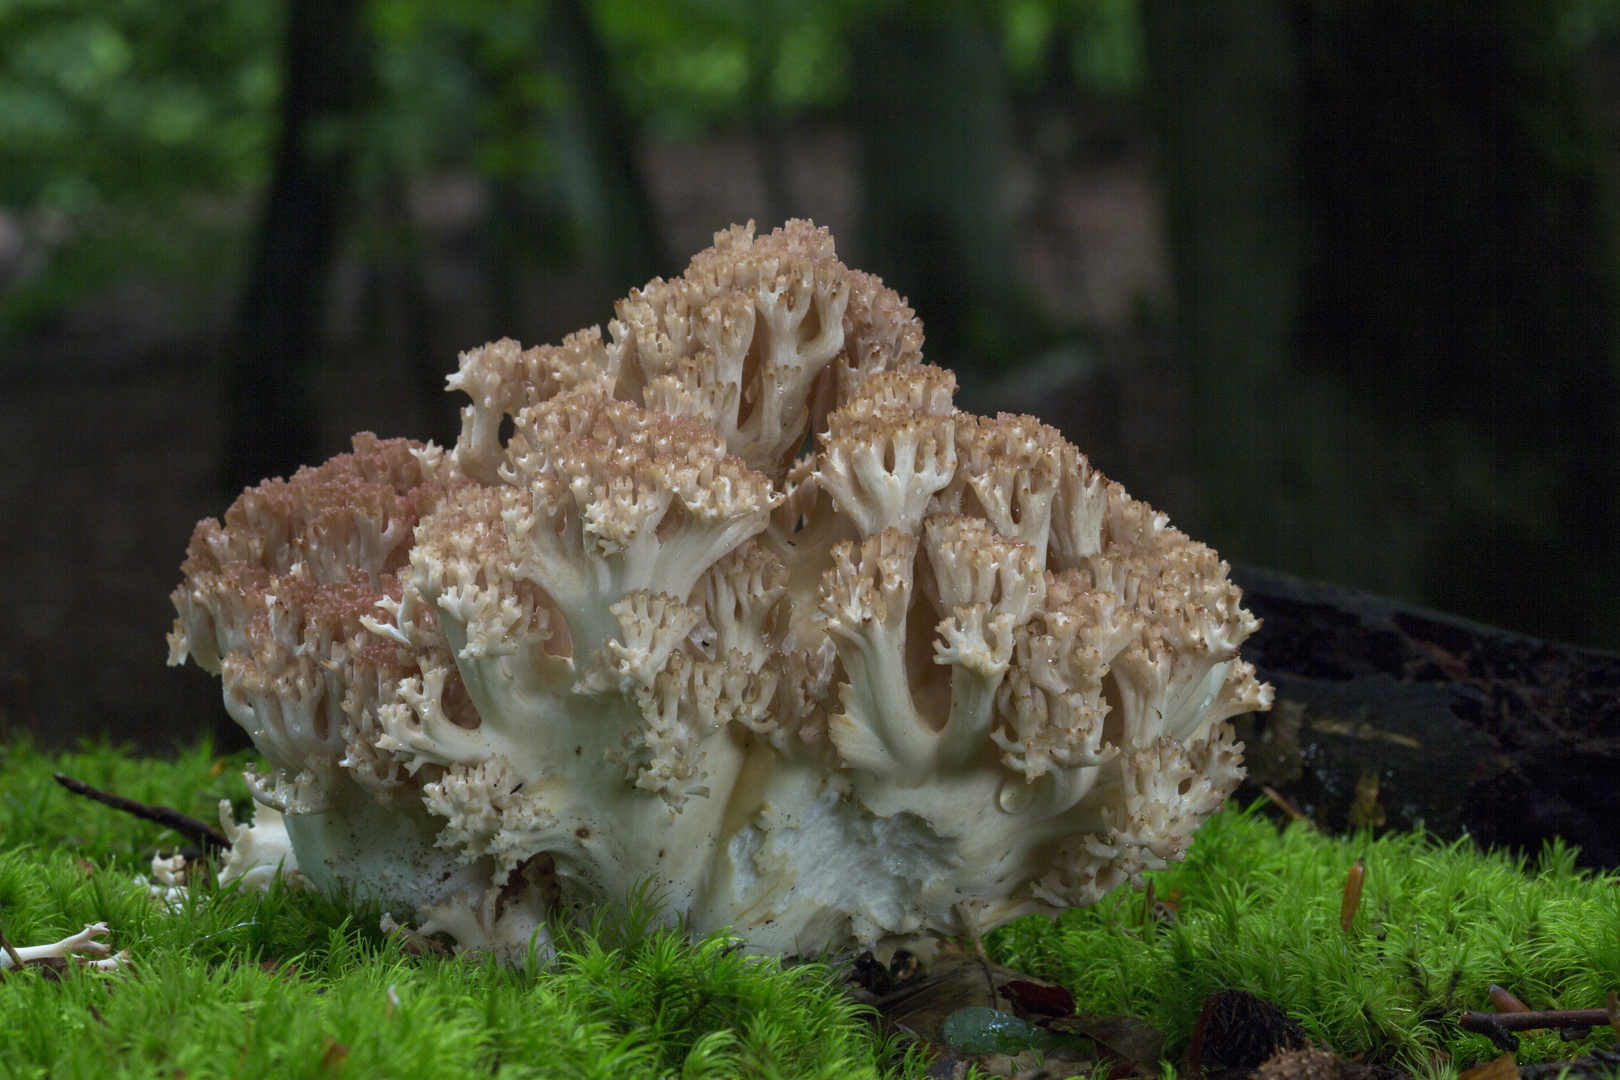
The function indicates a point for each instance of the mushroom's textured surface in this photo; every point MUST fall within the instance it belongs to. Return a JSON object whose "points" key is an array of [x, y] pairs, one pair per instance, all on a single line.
{"points": [[735, 599]]}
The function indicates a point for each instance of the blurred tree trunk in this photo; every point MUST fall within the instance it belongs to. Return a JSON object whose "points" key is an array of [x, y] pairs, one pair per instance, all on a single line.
{"points": [[767, 130], [1396, 299], [1222, 78], [596, 123], [932, 125], [398, 312], [767, 26], [272, 416], [1461, 282]]}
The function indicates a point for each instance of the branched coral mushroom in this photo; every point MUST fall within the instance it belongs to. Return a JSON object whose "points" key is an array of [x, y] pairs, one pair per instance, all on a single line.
{"points": [[741, 604]]}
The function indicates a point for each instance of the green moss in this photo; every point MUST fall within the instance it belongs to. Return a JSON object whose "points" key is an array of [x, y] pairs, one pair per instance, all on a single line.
{"points": [[241, 985], [1260, 911], [37, 814], [627, 998]]}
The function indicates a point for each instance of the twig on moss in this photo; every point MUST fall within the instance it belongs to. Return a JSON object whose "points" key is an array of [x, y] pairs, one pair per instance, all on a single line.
{"points": [[1286, 806], [1490, 1026], [198, 832], [11, 951], [1599, 1063], [1481, 1023]]}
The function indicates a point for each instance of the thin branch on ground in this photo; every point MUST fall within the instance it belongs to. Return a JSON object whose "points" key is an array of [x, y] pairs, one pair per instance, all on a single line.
{"points": [[198, 832]]}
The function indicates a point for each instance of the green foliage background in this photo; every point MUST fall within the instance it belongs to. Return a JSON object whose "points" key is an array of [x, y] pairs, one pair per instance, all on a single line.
{"points": [[137, 134], [130, 134]]}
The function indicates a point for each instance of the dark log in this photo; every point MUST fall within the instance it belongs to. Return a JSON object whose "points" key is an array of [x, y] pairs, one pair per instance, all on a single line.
{"points": [[1463, 727]]}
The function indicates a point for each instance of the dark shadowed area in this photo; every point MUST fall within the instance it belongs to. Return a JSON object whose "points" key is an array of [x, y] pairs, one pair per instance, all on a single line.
{"points": [[1333, 283]]}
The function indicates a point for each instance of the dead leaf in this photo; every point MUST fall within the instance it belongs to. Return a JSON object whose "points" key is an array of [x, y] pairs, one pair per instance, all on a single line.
{"points": [[956, 981], [1498, 1068], [335, 1055], [1124, 1037], [1313, 1063], [1036, 999]]}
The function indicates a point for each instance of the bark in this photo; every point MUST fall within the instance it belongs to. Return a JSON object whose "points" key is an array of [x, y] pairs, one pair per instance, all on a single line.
{"points": [[272, 414], [1396, 302], [632, 245], [1390, 715], [932, 123]]}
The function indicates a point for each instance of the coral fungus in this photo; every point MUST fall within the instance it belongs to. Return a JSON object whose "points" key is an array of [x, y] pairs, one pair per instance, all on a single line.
{"points": [[742, 604]]}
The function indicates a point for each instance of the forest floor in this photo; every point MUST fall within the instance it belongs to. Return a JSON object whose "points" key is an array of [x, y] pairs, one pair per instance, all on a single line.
{"points": [[1253, 943]]}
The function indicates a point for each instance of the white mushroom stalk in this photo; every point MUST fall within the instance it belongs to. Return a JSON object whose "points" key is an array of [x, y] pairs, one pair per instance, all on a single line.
{"points": [[256, 855], [742, 605]]}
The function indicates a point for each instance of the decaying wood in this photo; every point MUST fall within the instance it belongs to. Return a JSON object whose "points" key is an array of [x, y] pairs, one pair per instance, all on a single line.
{"points": [[1389, 714]]}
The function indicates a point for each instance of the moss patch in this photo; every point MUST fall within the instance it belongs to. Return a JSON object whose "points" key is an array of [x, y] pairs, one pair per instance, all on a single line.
{"points": [[292, 984], [1260, 911]]}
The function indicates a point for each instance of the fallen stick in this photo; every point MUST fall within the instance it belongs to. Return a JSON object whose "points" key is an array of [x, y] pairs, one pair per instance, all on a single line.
{"points": [[1287, 807], [198, 832], [11, 951], [1482, 1023]]}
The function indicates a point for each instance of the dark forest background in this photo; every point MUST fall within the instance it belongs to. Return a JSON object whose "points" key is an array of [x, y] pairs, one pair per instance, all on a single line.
{"points": [[1336, 283]]}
